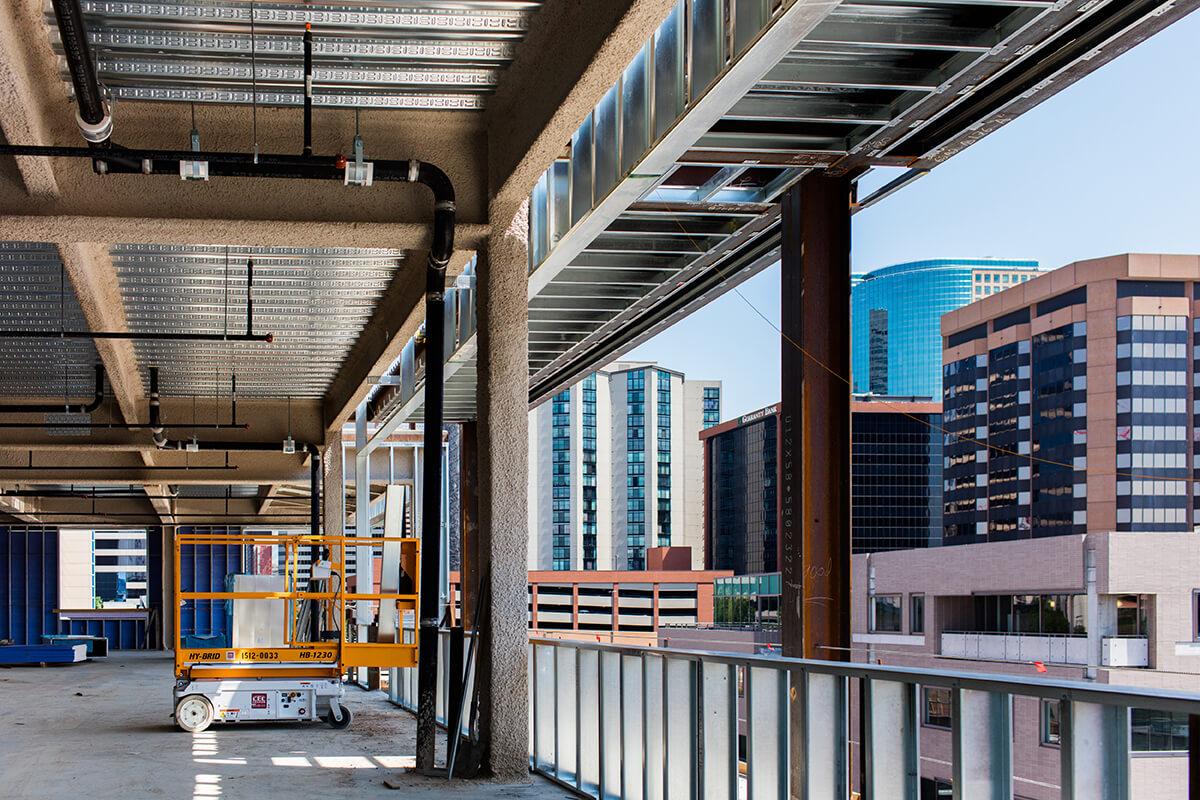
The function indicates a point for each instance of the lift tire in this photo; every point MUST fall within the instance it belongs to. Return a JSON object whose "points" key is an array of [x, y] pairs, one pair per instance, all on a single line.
{"points": [[194, 713], [347, 718]]}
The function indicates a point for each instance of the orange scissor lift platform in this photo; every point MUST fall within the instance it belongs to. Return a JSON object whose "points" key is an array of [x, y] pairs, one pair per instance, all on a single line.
{"points": [[285, 672]]}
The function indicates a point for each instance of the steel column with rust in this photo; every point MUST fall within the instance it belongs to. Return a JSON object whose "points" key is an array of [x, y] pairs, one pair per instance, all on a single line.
{"points": [[815, 362], [814, 467]]}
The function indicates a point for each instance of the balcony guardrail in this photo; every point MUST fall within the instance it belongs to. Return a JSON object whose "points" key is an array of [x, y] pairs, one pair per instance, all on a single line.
{"points": [[649, 724], [1049, 648]]}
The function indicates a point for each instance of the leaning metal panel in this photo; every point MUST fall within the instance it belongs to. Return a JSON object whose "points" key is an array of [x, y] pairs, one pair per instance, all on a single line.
{"points": [[383, 55], [36, 295], [315, 301]]}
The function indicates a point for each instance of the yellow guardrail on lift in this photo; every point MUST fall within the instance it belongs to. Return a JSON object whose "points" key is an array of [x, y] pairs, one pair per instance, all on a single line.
{"points": [[297, 655]]}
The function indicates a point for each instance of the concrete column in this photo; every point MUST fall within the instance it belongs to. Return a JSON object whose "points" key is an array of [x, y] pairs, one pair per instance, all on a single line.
{"points": [[332, 486], [503, 445]]}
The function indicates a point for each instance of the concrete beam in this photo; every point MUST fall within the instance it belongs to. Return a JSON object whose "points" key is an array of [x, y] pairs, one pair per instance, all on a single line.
{"points": [[17, 225], [24, 94], [573, 53], [98, 289], [115, 467], [158, 494], [23, 509]]}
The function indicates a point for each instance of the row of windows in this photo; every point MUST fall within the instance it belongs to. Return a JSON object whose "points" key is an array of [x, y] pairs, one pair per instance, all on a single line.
{"points": [[1151, 460], [1175, 516], [1151, 377], [1152, 350], [1140, 322], [1152, 433], [1003, 277], [1152, 405], [885, 613], [1155, 488]]}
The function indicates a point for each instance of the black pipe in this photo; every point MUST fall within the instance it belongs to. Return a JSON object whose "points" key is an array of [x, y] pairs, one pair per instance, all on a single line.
{"points": [[95, 122], [269, 165], [308, 88], [140, 336], [48, 408], [431, 512]]}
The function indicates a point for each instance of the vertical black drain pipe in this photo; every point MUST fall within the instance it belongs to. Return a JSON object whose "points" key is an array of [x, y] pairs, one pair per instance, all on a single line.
{"points": [[94, 121], [308, 88], [431, 501]]}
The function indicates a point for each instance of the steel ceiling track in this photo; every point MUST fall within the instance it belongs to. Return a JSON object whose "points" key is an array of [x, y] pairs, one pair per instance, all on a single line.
{"points": [[316, 302], [667, 193], [383, 55], [36, 295]]}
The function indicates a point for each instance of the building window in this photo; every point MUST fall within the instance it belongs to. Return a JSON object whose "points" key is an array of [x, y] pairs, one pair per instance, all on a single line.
{"points": [[1158, 731], [1132, 616], [885, 613], [937, 708], [1051, 711], [916, 613], [1196, 615]]}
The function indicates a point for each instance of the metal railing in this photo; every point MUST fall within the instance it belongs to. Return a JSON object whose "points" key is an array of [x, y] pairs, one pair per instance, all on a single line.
{"points": [[1051, 648], [402, 683], [646, 723]]}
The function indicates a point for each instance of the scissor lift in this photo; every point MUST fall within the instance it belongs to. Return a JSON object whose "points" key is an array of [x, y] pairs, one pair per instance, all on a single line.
{"points": [[293, 668]]}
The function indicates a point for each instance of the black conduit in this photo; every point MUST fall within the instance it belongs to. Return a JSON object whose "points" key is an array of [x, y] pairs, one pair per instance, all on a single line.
{"points": [[78, 52], [431, 510], [308, 88], [56, 408]]}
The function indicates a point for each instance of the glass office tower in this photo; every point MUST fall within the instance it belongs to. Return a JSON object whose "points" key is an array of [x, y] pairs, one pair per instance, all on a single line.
{"points": [[895, 313]]}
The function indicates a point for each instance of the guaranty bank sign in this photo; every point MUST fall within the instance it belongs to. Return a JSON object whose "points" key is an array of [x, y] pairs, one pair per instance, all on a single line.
{"points": [[756, 415]]}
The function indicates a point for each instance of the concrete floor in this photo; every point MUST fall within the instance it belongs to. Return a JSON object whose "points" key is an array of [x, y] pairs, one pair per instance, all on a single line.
{"points": [[102, 729]]}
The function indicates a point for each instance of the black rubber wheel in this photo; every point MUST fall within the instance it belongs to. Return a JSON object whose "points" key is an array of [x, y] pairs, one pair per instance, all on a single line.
{"points": [[194, 713], [347, 718]]}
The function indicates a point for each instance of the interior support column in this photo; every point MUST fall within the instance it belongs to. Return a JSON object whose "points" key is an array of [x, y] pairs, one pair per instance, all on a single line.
{"points": [[334, 488], [814, 486], [503, 443]]}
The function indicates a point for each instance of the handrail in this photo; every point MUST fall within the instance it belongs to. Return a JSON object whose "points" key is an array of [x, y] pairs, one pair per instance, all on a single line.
{"points": [[607, 718], [1049, 688]]}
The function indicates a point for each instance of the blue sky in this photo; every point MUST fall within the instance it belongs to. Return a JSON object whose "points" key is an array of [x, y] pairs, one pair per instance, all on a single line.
{"points": [[1109, 165]]}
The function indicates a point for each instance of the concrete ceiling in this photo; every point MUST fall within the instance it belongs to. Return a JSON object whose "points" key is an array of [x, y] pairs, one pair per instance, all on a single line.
{"points": [[333, 280], [651, 141]]}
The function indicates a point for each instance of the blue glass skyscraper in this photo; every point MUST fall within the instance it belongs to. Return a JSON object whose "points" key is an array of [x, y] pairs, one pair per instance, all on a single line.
{"points": [[895, 314]]}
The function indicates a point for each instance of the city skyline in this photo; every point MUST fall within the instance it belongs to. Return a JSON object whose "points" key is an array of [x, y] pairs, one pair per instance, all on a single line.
{"points": [[1040, 188]]}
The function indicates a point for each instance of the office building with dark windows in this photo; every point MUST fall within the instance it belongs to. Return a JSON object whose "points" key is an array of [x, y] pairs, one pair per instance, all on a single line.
{"points": [[615, 469], [896, 344], [1078, 382], [896, 474]]}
